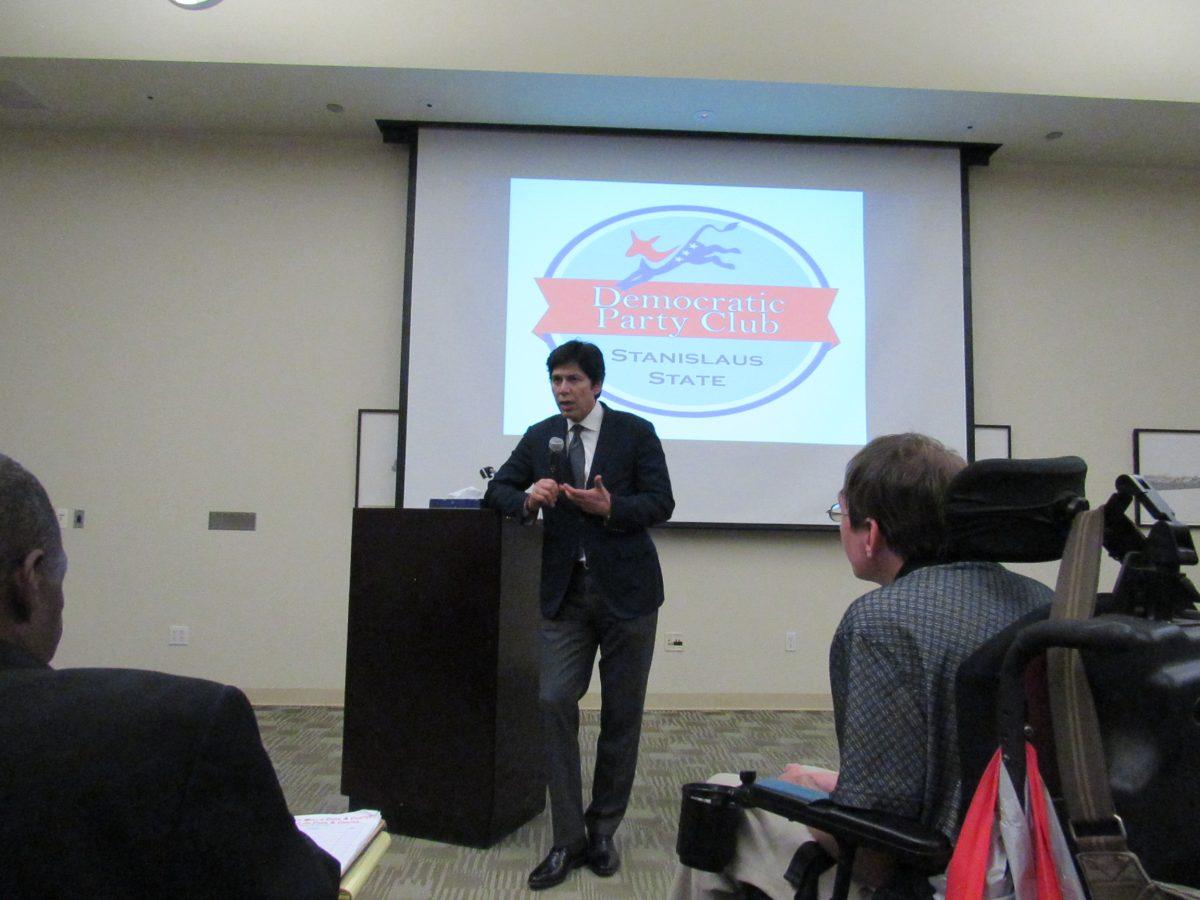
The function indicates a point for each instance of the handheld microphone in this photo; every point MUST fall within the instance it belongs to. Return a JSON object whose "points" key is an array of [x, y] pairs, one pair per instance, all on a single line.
{"points": [[556, 450]]}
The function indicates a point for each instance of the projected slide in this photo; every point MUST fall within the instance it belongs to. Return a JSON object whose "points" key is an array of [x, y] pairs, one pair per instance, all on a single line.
{"points": [[724, 313], [769, 305]]}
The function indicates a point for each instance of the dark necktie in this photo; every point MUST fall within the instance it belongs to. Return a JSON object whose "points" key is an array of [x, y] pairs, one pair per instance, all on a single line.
{"points": [[575, 455]]}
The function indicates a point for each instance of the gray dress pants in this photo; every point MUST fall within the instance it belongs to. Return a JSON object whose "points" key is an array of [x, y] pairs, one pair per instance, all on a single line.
{"points": [[568, 646]]}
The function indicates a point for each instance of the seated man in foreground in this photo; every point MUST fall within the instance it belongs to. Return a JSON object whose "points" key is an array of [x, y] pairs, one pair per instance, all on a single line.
{"points": [[123, 783], [892, 667]]}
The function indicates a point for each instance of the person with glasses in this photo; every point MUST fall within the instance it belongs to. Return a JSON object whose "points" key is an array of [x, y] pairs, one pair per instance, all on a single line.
{"points": [[119, 782], [892, 667]]}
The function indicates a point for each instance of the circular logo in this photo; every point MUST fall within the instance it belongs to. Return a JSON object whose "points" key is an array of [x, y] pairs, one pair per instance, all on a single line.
{"points": [[699, 311]]}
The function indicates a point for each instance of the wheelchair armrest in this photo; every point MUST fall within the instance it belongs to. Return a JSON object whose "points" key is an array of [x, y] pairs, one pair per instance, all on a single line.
{"points": [[912, 844]]}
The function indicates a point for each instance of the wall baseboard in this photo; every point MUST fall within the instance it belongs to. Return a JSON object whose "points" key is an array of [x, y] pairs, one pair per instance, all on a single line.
{"points": [[333, 697], [726, 701], [296, 696]]}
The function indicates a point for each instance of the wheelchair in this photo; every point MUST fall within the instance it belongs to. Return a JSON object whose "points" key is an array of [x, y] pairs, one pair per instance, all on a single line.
{"points": [[1127, 745]]}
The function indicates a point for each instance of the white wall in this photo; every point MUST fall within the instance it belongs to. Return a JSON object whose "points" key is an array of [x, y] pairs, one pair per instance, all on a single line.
{"points": [[190, 323]]}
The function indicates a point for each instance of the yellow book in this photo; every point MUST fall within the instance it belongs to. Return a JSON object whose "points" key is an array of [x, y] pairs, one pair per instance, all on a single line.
{"points": [[360, 870]]}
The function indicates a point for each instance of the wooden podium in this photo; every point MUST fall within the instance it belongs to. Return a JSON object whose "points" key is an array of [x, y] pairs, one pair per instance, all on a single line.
{"points": [[441, 727]]}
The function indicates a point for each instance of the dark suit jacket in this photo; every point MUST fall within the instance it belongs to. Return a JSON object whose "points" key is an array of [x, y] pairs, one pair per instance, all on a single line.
{"points": [[120, 783], [629, 458]]}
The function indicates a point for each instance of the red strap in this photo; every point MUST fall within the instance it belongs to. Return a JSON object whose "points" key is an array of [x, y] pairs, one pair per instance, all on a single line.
{"points": [[1047, 871], [967, 875]]}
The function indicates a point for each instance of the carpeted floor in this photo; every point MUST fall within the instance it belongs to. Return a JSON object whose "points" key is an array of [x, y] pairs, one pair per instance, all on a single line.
{"points": [[677, 747]]}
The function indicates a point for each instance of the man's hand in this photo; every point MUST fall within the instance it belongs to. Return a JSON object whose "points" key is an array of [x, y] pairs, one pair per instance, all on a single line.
{"points": [[543, 493], [872, 867], [595, 500], [811, 777]]}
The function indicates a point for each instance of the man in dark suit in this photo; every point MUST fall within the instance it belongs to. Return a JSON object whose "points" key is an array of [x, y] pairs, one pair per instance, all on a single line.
{"points": [[124, 783], [601, 588]]}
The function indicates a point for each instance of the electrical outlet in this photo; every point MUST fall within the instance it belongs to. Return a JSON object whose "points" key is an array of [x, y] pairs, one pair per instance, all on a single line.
{"points": [[789, 642], [674, 642], [64, 517], [179, 636]]}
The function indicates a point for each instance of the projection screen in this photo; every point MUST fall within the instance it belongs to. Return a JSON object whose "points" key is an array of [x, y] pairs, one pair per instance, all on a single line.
{"points": [[769, 305]]}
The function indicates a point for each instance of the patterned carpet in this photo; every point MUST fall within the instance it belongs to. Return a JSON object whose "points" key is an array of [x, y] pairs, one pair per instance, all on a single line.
{"points": [[677, 747]]}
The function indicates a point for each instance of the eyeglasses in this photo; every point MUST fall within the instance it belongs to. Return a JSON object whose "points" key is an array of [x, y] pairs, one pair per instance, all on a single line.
{"points": [[835, 513]]}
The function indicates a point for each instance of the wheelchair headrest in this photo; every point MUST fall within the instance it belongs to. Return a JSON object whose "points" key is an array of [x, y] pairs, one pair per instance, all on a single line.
{"points": [[1013, 510]]}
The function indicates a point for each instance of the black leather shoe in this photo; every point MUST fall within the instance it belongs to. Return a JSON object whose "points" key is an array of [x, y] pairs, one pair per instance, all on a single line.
{"points": [[557, 865], [602, 855]]}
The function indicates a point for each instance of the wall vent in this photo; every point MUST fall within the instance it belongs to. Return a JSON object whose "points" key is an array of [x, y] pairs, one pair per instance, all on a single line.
{"points": [[13, 96], [232, 521]]}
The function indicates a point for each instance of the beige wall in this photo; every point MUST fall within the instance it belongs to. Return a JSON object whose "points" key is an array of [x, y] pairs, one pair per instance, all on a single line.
{"points": [[190, 323], [1086, 314], [1081, 48]]}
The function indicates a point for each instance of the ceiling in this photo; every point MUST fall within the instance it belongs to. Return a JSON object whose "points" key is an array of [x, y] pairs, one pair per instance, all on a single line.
{"points": [[296, 100]]}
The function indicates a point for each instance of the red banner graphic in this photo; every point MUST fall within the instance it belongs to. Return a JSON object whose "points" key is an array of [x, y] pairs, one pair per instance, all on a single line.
{"points": [[687, 310]]}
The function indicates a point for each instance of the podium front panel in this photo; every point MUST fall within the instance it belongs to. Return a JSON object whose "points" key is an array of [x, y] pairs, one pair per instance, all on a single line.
{"points": [[441, 719]]}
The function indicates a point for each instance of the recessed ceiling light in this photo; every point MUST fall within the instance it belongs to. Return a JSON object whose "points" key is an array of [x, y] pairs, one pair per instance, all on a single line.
{"points": [[428, 104], [1053, 135], [335, 107], [704, 115], [195, 4]]}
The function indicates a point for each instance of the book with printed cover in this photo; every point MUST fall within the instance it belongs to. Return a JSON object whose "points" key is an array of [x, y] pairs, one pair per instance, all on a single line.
{"points": [[357, 840]]}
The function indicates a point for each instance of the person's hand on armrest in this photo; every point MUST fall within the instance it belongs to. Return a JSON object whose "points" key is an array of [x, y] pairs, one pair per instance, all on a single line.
{"points": [[812, 777], [870, 866]]}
